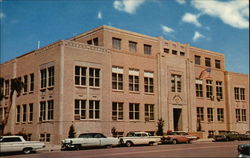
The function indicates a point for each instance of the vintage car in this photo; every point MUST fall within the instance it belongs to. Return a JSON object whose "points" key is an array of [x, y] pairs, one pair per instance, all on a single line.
{"points": [[17, 144], [244, 150], [89, 140], [228, 136], [191, 137], [247, 135], [170, 137]]}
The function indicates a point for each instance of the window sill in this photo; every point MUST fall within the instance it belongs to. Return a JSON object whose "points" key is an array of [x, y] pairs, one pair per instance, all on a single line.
{"points": [[31, 92], [118, 120], [50, 88], [199, 97], [95, 87], [25, 93], [134, 92], [79, 86], [146, 93], [134, 121], [115, 90]]}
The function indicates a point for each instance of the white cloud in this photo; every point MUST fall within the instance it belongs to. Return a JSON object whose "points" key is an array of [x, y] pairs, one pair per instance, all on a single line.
{"points": [[99, 15], [181, 1], [2, 15], [197, 36], [166, 29], [128, 6], [191, 18], [234, 13]]}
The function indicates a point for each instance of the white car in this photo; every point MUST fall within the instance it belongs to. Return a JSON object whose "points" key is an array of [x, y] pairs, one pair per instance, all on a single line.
{"points": [[89, 140], [17, 143]]}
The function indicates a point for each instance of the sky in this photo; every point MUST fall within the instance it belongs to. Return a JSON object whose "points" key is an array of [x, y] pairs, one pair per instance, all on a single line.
{"points": [[217, 25]]}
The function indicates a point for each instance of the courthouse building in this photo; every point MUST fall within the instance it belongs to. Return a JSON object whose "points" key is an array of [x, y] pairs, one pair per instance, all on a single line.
{"points": [[114, 81]]}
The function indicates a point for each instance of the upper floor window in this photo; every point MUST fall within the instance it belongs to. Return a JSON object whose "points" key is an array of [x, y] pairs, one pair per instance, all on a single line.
{"points": [[116, 43], [219, 89], [208, 62], [46, 110], [197, 59], [175, 83], [117, 78], [209, 88], [242, 93], [93, 41], [80, 75], [147, 49], [132, 46], [239, 93], [94, 77], [148, 82], [174, 52], [133, 80], [25, 83], [31, 82], [182, 53], [43, 78], [47, 77], [166, 50], [51, 73], [7, 87], [217, 64], [198, 86]]}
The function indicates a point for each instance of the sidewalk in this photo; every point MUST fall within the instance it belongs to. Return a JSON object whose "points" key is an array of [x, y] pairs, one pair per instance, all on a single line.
{"points": [[204, 140]]}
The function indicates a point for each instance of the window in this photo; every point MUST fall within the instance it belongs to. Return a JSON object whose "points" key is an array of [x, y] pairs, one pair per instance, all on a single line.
{"points": [[217, 64], [200, 113], [116, 43], [30, 112], [175, 83], [24, 113], [166, 50], [132, 46], [51, 72], [209, 89], [25, 83], [43, 78], [80, 75], [210, 115], [243, 112], [242, 93], [219, 90], [197, 59], [238, 115], [239, 93], [50, 110], [133, 80], [31, 82], [208, 62], [95, 41], [45, 137], [211, 134], [220, 114], [80, 109], [149, 112], [236, 93], [94, 77], [42, 111], [198, 86], [117, 111], [89, 42], [148, 82], [134, 111], [7, 87], [18, 113], [147, 49], [94, 109], [182, 53], [117, 78], [174, 52]]}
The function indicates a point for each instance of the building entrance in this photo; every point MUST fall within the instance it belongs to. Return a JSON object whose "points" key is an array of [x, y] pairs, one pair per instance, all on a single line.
{"points": [[177, 119]]}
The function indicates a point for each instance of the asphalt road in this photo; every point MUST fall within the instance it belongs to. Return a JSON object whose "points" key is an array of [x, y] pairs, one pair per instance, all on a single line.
{"points": [[198, 149]]}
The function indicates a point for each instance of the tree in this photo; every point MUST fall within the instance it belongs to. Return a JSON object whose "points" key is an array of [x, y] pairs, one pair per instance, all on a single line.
{"points": [[72, 133], [160, 125], [16, 86]]}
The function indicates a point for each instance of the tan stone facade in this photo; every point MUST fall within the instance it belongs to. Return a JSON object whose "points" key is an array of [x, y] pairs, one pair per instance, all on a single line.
{"points": [[110, 78]]}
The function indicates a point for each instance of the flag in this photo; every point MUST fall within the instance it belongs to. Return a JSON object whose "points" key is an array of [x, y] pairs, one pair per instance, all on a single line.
{"points": [[205, 73]]}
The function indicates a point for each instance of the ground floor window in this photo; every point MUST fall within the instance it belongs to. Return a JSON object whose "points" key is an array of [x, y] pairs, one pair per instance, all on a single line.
{"points": [[45, 137], [211, 133]]}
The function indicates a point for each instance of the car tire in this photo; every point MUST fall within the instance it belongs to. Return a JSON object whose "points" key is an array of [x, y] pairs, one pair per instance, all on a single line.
{"points": [[174, 141], [129, 144], [27, 150]]}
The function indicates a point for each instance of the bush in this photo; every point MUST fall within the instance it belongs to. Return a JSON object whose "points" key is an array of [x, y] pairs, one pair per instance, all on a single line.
{"points": [[160, 125], [72, 133]]}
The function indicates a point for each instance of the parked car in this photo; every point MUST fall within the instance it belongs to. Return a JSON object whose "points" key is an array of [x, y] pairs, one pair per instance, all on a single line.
{"points": [[173, 138], [244, 150], [89, 140], [189, 136], [228, 136], [247, 135], [17, 143], [139, 138]]}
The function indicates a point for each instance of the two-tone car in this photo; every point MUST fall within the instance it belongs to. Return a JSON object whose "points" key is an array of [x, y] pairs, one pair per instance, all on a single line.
{"points": [[244, 150]]}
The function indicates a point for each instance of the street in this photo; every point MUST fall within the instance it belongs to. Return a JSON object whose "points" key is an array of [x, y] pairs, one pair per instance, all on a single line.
{"points": [[196, 149]]}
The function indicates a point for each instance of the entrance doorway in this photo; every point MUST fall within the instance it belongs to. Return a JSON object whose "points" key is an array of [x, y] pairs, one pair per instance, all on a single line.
{"points": [[177, 119]]}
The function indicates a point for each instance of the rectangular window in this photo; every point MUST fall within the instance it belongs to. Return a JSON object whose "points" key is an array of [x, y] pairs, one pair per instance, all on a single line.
{"points": [[43, 74], [175, 83], [244, 116], [80, 109], [45, 137], [95, 41], [31, 82], [24, 112], [200, 113], [174, 52], [117, 111], [220, 114], [182, 53], [80, 75], [149, 112], [210, 115], [133, 80], [197, 60], [236, 93], [208, 62], [50, 110], [134, 111], [166, 50], [51, 71], [42, 111], [242, 93], [211, 134], [116, 43], [238, 115], [148, 82], [94, 77], [117, 78], [89, 42], [199, 91], [30, 112], [25, 83], [147, 49], [18, 113], [209, 88], [7, 88], [217, 64], [94, 109], [132, 46], [219, 90]]}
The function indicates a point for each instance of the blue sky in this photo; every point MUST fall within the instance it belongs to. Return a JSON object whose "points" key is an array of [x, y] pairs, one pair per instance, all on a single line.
{"points": [[219, 25]]}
